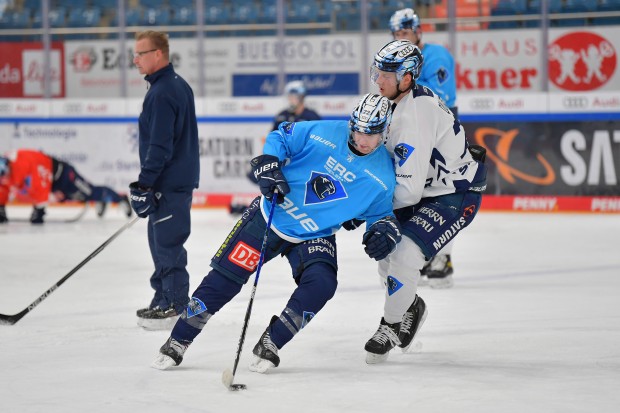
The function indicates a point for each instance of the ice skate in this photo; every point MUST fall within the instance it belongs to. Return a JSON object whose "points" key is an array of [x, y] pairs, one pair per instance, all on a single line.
{"points": [[265, 354], [101, 208], [412, 322], [379, 346], [158, 319], [170, 355], [440, 271]]}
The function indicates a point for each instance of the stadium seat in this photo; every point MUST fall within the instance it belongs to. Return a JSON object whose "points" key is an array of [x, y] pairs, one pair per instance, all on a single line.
{"points": [[217, 16], [179, 4], [156, 17], [15, 19], [183, 16], [57, 17], [607, 6], [575, 7]]}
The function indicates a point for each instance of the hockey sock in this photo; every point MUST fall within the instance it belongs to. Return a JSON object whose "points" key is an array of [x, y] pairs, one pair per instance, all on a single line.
{"points": [[317, 285], [212, 294]]}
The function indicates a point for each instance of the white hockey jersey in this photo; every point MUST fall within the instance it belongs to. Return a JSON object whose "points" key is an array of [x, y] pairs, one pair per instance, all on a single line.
{"points": [[424, 129]]}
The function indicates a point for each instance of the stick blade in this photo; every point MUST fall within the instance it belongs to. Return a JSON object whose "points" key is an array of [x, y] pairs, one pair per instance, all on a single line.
{"points": [[227, 380], [8, 320]]}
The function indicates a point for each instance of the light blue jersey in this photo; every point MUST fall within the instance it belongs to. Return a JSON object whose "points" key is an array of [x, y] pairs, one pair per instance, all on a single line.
{"points": [[438, 73], [329, 183]]}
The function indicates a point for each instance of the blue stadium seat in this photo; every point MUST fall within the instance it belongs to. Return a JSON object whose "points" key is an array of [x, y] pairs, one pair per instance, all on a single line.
{"points": [[79, 17], [57, 17], [183, 16], [133, 17], [511, 8], [15, 19], [179, 4], [575, 7], [156, 17], [151, 4], [607, 6], [214, 16], [303, 12]]}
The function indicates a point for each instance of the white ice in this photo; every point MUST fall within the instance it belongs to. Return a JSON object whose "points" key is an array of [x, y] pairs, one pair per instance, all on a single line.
{"points": [[531, 325]]}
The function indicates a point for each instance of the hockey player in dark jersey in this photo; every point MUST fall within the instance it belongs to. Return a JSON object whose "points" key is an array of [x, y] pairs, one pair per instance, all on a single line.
{"points": [[327, 172]]}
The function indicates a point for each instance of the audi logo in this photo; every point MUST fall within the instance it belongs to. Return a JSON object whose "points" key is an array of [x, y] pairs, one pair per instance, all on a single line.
{"points": [[575, 102], [481, 104], [73, 108], [228, 107]]}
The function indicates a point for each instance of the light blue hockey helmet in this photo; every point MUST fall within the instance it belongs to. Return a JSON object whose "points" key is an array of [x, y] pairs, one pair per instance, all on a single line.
{"points": [[404, 19], [372, 115], [4, 166], [399, 56], [295, 87]]}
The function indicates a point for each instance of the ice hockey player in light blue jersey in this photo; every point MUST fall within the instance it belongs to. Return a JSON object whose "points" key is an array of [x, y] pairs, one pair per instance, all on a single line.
{"points": [[323, 173], [337, 176]]}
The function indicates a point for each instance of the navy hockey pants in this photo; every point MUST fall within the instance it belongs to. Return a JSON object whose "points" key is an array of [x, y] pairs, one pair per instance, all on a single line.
{"points": [[313, 264], [168, 229], [76, 188], [434, 222]]}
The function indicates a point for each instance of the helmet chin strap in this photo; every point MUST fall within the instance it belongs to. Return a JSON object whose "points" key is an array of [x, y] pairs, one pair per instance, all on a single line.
{"points": [[398, 92]]}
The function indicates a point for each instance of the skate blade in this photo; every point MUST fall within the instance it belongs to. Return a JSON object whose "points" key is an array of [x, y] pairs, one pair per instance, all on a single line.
{"points": [[372, 358], [163, 362], [155, 324], [414, 347], [260, 365]]}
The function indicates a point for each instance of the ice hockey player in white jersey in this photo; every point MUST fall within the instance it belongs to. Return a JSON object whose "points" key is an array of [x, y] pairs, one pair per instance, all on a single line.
{"points": [[325, 173], [440, 179]]}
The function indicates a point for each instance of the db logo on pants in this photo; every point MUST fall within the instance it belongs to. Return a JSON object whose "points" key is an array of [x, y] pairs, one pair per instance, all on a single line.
{"points": [[244, 256]]}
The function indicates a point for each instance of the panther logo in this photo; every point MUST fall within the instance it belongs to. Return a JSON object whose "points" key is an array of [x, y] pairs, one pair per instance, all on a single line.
{"points": [[323, 187]]}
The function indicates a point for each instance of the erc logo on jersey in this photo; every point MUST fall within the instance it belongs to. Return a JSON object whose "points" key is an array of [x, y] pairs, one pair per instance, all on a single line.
{"points": [[393, 285], [244, 256], [402, 151], [323, 188]]}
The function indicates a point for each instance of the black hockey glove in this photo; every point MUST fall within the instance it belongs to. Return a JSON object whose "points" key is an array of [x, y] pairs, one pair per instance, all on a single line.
{"points": [[37, 215], [381, 238], [352, 224], [3, 217], [142, 199], [266, 171]]}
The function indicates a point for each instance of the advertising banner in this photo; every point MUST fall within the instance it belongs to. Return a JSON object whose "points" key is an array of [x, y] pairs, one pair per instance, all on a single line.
{"points": [[22, 70], [550, 158]]}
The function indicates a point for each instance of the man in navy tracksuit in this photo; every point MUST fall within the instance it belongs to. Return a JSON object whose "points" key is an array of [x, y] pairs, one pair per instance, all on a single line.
{"points": [[169, 161]]}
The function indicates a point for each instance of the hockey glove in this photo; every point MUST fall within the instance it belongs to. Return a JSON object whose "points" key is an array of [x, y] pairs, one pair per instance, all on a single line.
{"points": [[352, 224], [3, 217], [37, 215], [266, 171], [381, 238], [142, 199]]}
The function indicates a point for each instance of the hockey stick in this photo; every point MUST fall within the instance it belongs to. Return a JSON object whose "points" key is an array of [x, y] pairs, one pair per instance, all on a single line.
{"points": [[228, 376], [12, 319], [59, 220]]}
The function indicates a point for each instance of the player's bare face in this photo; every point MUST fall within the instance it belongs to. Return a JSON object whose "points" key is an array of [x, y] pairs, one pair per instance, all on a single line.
{"points": [[145, 57], [406, 34], [366, 143]]}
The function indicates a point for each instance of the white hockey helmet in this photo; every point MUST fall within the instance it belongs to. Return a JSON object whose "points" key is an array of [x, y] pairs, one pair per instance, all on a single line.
{"points": [[371, 116], [295, 87], [405, 19], [399, 56]]}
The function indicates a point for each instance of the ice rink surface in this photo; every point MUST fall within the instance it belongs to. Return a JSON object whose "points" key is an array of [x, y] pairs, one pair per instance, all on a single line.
{"points": [[531, 325]]}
